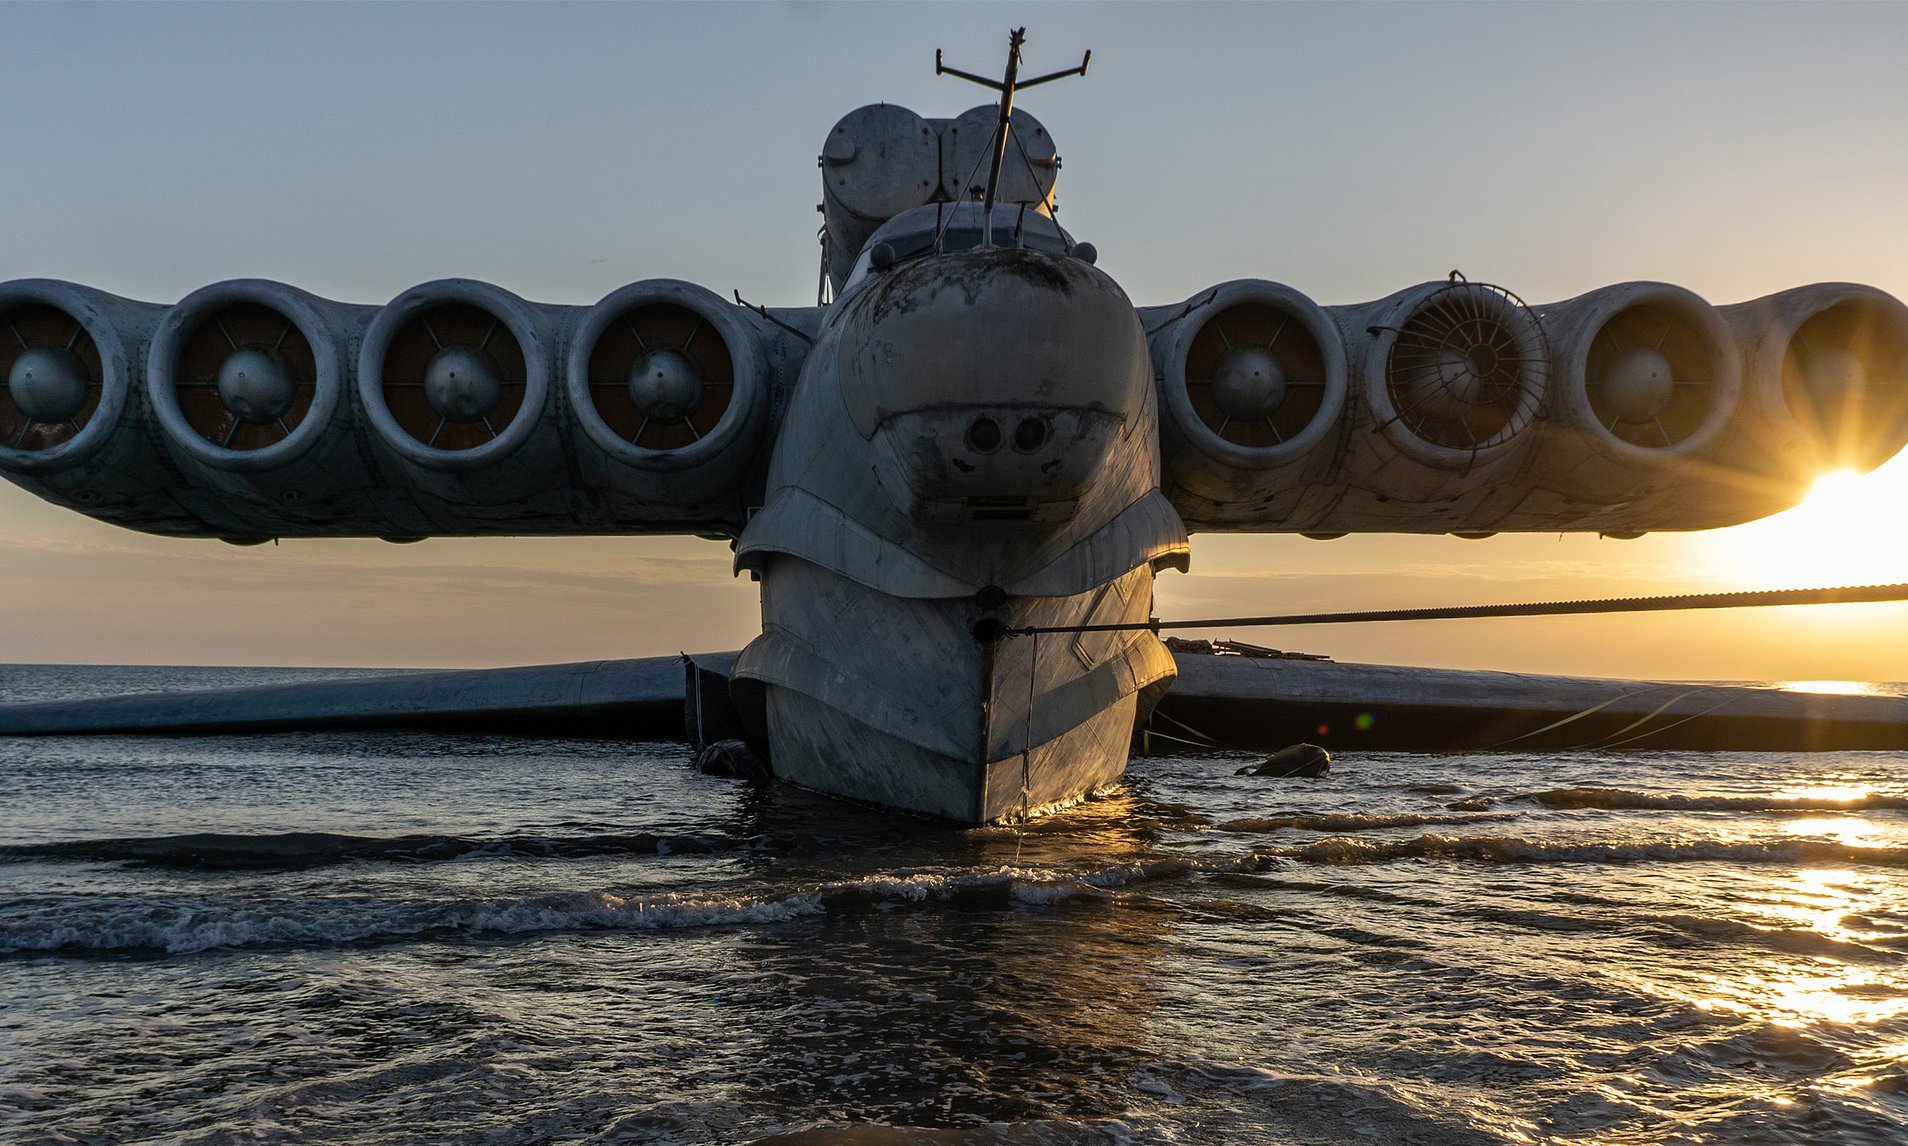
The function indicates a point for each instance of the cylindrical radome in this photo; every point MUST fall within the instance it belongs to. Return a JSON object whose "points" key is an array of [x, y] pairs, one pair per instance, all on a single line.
{"points": [[877, 162], [1028, 170], [1252, 382], [669, 389]]}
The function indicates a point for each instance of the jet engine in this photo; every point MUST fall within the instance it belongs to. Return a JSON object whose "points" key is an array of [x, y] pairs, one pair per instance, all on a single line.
{"points": [[1454, 374], [1253, 381], [69, 411], [1648, 386], [454, 377], [1826, 368], [247, 380], [1450, 380], [253, 410], [669, 389]]}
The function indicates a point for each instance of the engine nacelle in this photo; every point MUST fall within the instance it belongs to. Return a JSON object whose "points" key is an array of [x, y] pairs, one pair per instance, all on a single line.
{"points": [[1646, 399], [1449, 381], [249, 382], [455, 381], [1452, 377], [72, 415], [669, 389], [1253, 384], [1826, 370]]}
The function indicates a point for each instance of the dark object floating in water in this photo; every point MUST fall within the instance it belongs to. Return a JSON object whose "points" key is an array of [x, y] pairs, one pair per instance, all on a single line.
{"points": [[1306, 760], [735, 758]]}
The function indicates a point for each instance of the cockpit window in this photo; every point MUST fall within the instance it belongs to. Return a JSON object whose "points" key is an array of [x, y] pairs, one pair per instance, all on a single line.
{"points": [[912, 233]]}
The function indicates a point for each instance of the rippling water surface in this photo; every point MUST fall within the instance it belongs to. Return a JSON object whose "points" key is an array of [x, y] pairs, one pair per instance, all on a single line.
{"points": [[400, 937]]}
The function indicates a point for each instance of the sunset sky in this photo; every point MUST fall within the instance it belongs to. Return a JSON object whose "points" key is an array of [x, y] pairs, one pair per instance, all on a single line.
{"points": [[564, 151]]}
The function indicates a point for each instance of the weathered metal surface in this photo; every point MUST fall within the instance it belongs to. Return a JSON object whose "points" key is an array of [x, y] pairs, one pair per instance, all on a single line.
{"points": [[1249, 702], [877, 162], [638, 698], [367, 448], [1236, 701], [972, 444], [1028, 172]]}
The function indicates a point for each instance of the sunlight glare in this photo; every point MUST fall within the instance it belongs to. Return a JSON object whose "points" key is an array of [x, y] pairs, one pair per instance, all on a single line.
{"points": [[1847, 531], [1831, 687]]}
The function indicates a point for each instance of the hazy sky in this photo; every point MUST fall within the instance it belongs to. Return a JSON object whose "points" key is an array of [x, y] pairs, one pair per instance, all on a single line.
{"points": [[562, 151]]}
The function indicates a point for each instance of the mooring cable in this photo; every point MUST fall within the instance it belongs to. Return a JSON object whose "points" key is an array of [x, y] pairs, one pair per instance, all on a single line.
{"points": [[1757, 598]]}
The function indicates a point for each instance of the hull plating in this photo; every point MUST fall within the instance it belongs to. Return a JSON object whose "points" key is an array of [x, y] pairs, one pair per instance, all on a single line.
{"points": [[892, 701]]}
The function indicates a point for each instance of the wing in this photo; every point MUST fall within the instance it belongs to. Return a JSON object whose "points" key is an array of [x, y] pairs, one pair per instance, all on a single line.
{"points": [[1452, 407], [252, 410]]}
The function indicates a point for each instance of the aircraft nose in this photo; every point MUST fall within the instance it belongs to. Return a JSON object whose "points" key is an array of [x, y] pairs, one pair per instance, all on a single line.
{"points": [[994, 384]]}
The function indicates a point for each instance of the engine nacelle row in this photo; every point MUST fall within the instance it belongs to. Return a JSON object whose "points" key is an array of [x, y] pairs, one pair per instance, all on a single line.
{"points": [[1453, 407], [252, 409]]}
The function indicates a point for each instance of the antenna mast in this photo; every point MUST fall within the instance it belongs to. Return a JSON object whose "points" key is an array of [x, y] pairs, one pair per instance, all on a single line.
{"points": [[1006, 86]]}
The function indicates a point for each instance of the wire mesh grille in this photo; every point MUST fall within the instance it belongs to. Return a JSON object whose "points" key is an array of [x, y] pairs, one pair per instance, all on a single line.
{"points": [[1468, 368]]}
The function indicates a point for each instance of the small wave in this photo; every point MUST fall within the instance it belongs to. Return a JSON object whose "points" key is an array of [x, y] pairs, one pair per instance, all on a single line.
{"points": [[290, 850], [1793, 940], [1513, 849], [89, 925], [1618, 799], [1357, 821]]}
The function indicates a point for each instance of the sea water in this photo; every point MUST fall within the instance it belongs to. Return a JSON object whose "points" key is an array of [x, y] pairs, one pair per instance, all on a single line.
{"points": [[399, 937]]}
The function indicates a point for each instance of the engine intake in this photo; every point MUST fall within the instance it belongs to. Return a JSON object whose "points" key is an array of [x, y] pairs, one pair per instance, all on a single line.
{"points": [[664, 377], [1255, 378], [59, 394], [1829, 371], [452, 374], [1459, 372], [244, 375], [1648, 371]]}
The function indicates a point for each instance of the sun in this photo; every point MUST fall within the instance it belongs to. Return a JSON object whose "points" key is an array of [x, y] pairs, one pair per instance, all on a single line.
{"points": [[1851, 529]]}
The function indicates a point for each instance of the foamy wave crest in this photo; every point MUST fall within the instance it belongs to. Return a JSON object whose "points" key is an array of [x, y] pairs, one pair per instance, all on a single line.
{"points": [[78, 924], [1514, 849], [85, 924], [1359, 822], [292, 850], [1618, 799]]}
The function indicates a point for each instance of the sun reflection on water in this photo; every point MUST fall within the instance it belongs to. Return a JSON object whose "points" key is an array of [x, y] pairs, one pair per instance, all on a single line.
{"points": [[1839, 793], [1831, 687], [1807, 914]]}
